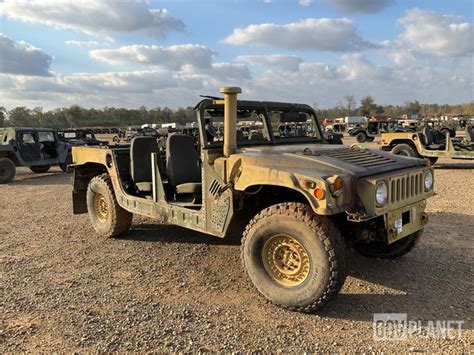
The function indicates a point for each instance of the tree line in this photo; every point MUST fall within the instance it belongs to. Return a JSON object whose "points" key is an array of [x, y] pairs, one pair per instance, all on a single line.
{"points": [[76, 116]]}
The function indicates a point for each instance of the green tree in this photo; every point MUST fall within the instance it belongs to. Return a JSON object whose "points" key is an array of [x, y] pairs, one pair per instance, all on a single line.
{"points": [[367, 106], [20, 117]]}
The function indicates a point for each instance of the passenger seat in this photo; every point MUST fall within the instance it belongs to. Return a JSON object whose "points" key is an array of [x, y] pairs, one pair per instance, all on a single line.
{"points": [[140, 162], [182, 164]]}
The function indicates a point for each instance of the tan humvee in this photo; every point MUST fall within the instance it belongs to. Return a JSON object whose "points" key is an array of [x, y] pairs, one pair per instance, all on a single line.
{"points": [[296, 199]]}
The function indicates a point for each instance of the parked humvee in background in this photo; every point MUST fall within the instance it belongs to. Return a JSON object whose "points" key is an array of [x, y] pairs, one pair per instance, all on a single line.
{"points": [[430, 144], [36, 148], [297, 200]]}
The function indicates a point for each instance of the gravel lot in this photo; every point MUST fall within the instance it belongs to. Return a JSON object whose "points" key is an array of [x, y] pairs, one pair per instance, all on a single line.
{"points": [[164, 288]]}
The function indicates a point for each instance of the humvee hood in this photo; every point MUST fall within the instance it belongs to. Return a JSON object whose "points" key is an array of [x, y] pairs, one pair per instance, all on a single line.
{"points": [[328, 159]]}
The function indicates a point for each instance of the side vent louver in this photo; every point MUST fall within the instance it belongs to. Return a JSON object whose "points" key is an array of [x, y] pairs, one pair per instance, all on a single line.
{"points": [[214, 188]]}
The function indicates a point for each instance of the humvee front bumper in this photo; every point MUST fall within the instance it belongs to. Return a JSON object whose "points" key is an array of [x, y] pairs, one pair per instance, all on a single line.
{"points": [[405, 221]]}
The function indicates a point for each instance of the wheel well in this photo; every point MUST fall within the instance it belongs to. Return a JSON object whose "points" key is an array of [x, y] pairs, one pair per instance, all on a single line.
{"points": [[82, 176], [258, 197], [10, 155], [402, 141]]}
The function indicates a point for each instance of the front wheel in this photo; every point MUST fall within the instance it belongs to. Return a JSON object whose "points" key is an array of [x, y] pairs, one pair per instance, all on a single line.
{"points": [[293, 257], [107, 217], [7, 170], [382, 250], [405, 150], [361, 137], [40, 169]]}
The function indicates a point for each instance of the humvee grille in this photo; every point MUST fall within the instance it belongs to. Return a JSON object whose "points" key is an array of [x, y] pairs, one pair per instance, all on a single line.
{"points": [[406, 187], [365, 159]]}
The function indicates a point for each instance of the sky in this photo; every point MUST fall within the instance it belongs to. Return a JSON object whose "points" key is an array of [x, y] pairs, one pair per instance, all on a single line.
{"points": [[97, 53]]}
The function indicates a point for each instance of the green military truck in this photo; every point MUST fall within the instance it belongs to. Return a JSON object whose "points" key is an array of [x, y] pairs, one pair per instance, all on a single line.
{"points": [[297, 201], [430, 144], [36, 148]]}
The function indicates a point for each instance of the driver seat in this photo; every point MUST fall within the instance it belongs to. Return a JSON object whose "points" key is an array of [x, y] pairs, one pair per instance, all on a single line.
{"points": [[182, 165]]}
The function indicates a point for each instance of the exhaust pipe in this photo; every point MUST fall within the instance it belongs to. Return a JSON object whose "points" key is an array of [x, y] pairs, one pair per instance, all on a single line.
{"points": [[230, 119]]}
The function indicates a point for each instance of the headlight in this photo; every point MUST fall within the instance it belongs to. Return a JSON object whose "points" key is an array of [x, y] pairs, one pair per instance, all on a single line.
{"points": [[381, 193], [428, 180]]}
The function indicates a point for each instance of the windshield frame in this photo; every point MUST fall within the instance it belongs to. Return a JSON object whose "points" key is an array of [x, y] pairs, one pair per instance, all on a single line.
{"points": [[265, 107]]}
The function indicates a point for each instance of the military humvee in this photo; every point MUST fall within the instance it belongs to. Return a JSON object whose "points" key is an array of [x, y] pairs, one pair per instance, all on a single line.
{"points": [[297, 200], [375, 128], [429, 144], [37, 148]]}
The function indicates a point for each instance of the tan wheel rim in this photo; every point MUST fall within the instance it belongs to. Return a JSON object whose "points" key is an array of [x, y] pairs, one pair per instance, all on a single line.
{"points": [[101, 208], [286, 260]]}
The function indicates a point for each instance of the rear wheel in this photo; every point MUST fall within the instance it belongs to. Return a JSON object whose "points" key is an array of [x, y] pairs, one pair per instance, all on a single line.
{"points": [[107, 217], [382, 250], [293, 257], [40, 169], [405, 150], [361, 137], [64, 166], [7, 170]]}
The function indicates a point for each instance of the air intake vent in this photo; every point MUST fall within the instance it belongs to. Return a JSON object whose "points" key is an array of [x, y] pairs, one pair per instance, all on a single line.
{"points": [[214, 188], [365, 159]]}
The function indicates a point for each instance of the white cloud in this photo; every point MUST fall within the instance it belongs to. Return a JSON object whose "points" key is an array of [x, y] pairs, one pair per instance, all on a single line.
{"points": [[94, 17], [361, 6], [72, 42], [321, 34], [173, 57], [440, 35], [305, 2], [22, 58], [285, 62]]}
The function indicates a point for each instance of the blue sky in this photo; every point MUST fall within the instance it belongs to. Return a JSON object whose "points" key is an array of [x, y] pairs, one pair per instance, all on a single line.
{"points": [[61, 53]]}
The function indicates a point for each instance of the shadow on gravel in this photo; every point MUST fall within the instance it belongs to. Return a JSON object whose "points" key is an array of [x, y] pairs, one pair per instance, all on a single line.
{"points": [[55, 178], [434, 282], [175, 234]]}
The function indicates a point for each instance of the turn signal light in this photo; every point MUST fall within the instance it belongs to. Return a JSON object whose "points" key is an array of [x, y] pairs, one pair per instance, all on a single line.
{"points": [[319, 193]]}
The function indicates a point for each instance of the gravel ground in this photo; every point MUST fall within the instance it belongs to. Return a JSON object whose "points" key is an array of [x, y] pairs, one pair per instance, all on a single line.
{"points": [[164, 288]]}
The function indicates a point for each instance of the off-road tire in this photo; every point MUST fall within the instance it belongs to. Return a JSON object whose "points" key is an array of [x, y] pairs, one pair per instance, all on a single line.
{"points": [[405, 150], [118, 220], [361, 137], [40, 169], [370, 139], [383, 250], [7, 170], [320, 238]]}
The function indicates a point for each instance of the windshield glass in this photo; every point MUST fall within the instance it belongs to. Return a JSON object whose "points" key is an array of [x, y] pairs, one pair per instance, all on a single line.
{"points": [[254, 127]]}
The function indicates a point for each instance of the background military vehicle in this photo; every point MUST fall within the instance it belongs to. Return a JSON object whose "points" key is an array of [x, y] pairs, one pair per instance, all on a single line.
{"points": [[79, 136], [36, 148], [374, 128], [430, 144], [296, 199]]}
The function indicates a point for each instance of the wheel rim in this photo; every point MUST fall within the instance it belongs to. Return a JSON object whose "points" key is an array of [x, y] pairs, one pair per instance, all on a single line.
{"points": [[101, 209], [285, 260]]}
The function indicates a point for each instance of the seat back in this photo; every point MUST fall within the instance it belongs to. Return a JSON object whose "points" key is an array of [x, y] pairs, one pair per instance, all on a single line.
{"points": [[428, 133], [182, 160], [140, 158], [470, 133]]}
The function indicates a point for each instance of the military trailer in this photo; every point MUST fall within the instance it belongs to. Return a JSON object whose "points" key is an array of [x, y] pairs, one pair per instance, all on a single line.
{"points": [[296, 201], [36, 148], [429, 144]]}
